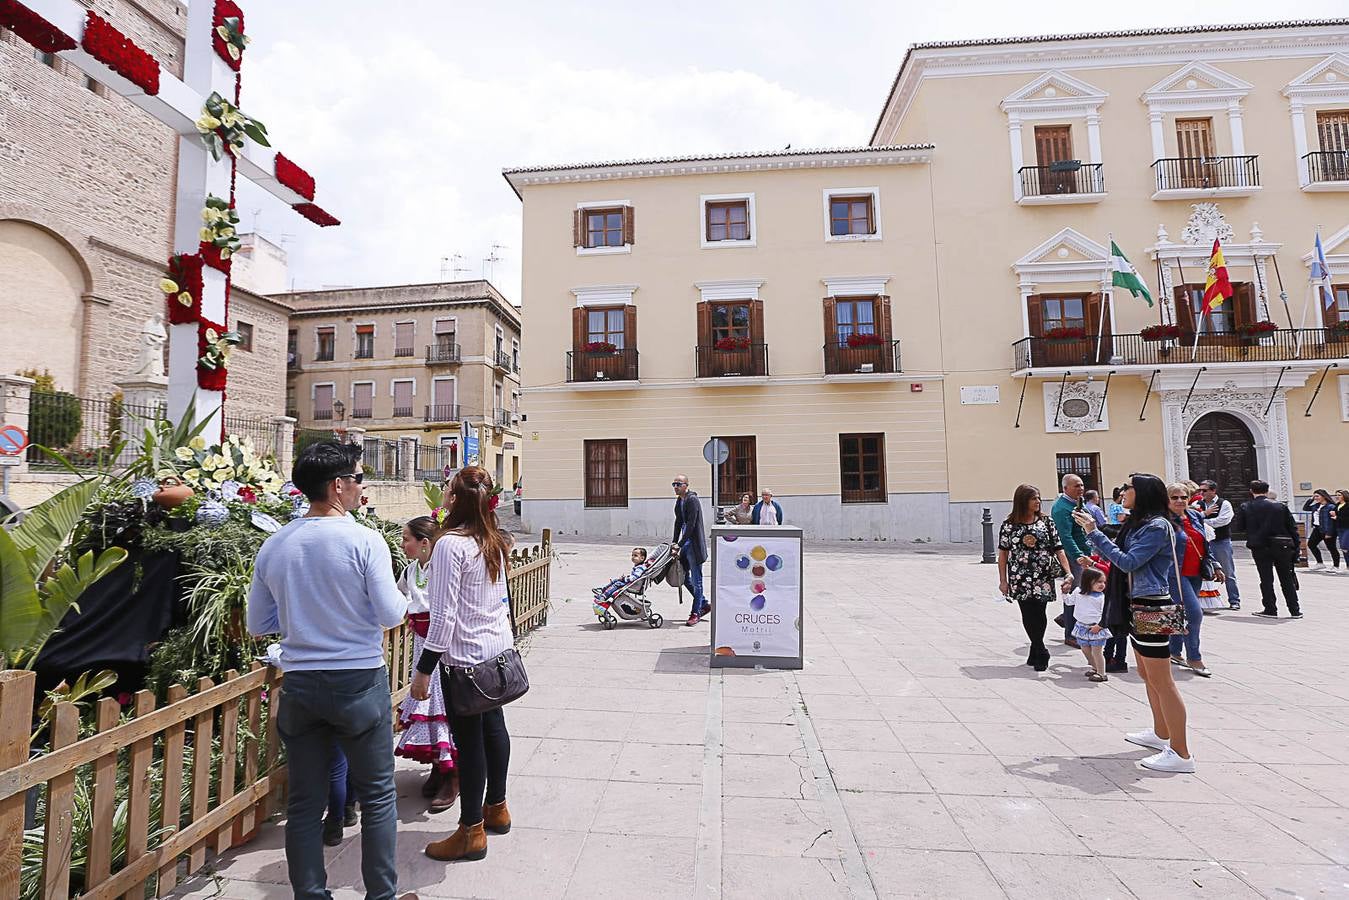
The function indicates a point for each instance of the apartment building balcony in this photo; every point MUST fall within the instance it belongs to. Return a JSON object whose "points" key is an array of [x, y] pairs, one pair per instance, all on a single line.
{"points": [[443, 355], [293, 365], [1203, 177], [601, 366], [502, 361], [1327, 170], [361, 413], [731, 359], [503, 418], [855, 359], [402, 412], [323, 415], [442, 412], [1283, 345], [402, 352], [1068, 181]]}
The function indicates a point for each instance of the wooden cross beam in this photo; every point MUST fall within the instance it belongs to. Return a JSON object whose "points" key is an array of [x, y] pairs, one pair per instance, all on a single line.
{"points": [[179, 104]]}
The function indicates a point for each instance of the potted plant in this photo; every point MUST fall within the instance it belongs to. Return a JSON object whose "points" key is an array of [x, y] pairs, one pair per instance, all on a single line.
{"points": [[732, 343], [600, 348], [863, 340], [1256, 329], [1160, 333], [1065, 334]]}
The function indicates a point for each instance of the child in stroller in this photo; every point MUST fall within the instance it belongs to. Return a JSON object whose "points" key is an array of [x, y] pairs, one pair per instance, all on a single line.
{"points": [[625, 597]]}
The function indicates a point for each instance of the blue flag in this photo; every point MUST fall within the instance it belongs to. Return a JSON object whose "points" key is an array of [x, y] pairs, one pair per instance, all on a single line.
{"points": [[1321, 273]]}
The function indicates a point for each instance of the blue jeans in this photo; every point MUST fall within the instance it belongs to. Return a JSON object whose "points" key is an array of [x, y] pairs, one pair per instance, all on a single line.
{"points": [[693, 580], [1222, 551], [1194, 616], [337, 785], [350, 710]]}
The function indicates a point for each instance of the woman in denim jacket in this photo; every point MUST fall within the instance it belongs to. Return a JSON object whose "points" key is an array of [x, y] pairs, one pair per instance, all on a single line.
{"points": [[1149, 548]]}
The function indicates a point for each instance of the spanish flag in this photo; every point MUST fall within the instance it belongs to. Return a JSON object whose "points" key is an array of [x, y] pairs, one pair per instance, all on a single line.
{"points": [[1217, 287]]}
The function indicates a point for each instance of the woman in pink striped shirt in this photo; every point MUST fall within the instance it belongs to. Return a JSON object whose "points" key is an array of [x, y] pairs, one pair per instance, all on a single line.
{"points": [[470, 624]]}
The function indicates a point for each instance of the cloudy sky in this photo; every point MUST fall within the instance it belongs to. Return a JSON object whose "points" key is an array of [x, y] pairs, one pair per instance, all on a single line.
{"points": [[406, 111]]}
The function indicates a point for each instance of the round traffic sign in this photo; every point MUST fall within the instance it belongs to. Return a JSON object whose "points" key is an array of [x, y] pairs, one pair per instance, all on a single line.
{"points": [[716, 451], [13, 440]]}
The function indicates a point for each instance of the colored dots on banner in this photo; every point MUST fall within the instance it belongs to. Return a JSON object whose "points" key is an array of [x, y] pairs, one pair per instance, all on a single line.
{"points": [[742, 562], [758, 602], [773, 562], [758, 571], [758, 553]]}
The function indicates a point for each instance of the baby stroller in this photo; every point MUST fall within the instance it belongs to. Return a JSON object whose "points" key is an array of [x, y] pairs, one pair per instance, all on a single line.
{"points": [[630, 603]]}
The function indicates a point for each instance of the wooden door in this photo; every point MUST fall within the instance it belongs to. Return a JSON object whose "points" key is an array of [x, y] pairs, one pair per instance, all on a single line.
{"points": [[1054, 143], [1221, 448], [1194, 144], [1332, 132]]}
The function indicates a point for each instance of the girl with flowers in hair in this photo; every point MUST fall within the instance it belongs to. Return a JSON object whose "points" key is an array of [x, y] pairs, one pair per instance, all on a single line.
{"points": [[424, 723]]}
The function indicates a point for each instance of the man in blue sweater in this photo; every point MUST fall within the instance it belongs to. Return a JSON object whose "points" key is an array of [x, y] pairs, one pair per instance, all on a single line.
{"points": [[1074, 541], [325, 583]]}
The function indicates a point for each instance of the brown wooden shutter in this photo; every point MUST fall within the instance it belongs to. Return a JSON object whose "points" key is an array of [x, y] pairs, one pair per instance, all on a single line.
{"points": [[756, 335], [887, 322], [1098, 322], [578, 228], [578, 328], [630, 327], [1244, 310], [1035, 315], [628, 228], [830, 320], [1184, 313], [704, 324]]}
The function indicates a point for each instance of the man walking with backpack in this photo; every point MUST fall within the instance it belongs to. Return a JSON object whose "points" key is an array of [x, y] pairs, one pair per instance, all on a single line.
{"points": [[691, 539]]}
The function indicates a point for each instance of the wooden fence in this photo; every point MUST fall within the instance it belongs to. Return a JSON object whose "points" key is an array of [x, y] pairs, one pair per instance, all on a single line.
{"points": [[106, 821]]}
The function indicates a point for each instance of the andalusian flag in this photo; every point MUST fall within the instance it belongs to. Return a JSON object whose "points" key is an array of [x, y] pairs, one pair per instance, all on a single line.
{"points": [[1217, 287], [1123, 274]]}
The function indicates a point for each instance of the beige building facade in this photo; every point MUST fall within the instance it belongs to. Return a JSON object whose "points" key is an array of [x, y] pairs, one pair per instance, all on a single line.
{"points": [[86, 223], [893, 337], [434, 363]]}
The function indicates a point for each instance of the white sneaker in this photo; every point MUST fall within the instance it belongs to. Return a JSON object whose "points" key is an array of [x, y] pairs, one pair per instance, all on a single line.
{"points": [[1169, 761], [1316, 565], [1148, 738]]}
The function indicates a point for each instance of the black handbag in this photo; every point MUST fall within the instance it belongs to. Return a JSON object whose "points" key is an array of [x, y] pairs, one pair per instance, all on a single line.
{"points": [[489, 685]]}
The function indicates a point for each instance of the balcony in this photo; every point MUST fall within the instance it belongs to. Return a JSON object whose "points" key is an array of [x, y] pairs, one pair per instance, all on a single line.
{"points": [[503, 418], [359, 413], [1327, 170], [402, 412], [323, 415], [744, 361], [1282, 345], [1069, 181], [853, 358], [502, 360], [404, 351], [442, 354], [601, 366], [293, 362], [442, 412], [1201, 177]]}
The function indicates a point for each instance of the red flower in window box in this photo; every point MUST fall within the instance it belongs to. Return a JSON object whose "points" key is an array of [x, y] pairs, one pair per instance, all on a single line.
{"points": [[731, 343], [1338, 331], [316, 215], [601, 347], [33, 28], [1065, 333], [293, 177], [119, 53], [183, 288], [1255, 329], [227, 33], [864, 340], [1160, 333]]}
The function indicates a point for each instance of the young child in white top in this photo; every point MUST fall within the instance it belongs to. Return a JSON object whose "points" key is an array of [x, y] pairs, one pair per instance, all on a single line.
{"points": [[1088, 608]]}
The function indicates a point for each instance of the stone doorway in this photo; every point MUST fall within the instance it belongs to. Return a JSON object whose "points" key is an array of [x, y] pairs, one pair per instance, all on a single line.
{"points": [[1221, 447]]}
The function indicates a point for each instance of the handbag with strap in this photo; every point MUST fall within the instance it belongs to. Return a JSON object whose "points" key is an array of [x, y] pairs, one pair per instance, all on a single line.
{"points": [[1160, 620], [489, 685]]}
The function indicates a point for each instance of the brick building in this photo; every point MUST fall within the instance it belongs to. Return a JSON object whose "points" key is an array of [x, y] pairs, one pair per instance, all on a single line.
{"points": [[86, 222]]}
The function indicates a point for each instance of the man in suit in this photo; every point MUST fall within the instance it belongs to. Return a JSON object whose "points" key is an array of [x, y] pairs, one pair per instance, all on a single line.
{"points": [[691, 540], [767, 511], [1271, 535]]}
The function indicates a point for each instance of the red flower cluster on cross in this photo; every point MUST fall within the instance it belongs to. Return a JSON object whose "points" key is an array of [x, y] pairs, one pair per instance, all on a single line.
{"points": [[117, 51], [185, 273], [226, 9], [33, 28], [209, 379], [316, 214], [210, 255], [293, 177]]}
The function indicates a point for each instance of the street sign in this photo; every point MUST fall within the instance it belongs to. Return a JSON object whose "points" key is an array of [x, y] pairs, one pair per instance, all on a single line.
{"points": [[13, 440], [10, 461], [716, 451]]}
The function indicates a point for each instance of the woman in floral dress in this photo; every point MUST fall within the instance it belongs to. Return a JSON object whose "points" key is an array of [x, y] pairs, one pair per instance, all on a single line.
{"points": [[1030, 562], [426, 729]]}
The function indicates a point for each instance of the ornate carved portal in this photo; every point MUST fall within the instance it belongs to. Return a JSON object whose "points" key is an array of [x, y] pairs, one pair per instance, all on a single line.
{"points": [[1268, 434], [1222, 448]]}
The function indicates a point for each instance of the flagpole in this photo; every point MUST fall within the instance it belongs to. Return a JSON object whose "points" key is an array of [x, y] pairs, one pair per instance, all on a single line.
{"points": [[1157, 264], [1100, 312]]}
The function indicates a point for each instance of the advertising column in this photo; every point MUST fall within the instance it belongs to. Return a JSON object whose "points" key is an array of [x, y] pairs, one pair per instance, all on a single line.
{"points": [[756, 595]]}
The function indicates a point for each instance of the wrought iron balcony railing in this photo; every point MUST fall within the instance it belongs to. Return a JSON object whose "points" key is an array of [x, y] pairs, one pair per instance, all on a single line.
{"points": [[1280, 345], [720, 361], [442, 354], [1067, 177], [609, 365], [442, 412], [1206, 172], [1327, 165], [854, 358]]}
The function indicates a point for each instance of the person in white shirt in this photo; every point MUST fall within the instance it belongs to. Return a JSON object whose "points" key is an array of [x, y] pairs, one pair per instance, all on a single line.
{"points": [[1088, 606], [1218, 513], [767, 511]]}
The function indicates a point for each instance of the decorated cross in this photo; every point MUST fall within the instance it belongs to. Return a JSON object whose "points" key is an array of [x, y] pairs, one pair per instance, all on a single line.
{"points": [[217, 144]]}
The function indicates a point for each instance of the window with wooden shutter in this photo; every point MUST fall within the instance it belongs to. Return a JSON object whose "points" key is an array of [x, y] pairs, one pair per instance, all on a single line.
{"points": [[606, 325], [605, 227], [402, 398], [1194, 144], [739, 474], [861, 464], [365, 341], [852, 215], [606, 473], [323, 402], [1337, 312], [325, 339], [1099, 326], [362, 400], [1054, 144], [1220, 322], [727, 220], [404, 335]]}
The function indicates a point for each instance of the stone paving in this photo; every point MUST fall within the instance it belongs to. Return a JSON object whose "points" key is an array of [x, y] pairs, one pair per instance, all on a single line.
{"points": [[913, 757]]}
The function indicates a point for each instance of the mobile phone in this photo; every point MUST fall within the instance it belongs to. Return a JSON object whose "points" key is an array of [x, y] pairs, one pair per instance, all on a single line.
{"points": [[1081, 504]]}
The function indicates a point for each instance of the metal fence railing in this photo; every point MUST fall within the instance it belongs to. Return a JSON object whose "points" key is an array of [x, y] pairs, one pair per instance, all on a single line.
{"points": [[432, 462], [382, 459]]}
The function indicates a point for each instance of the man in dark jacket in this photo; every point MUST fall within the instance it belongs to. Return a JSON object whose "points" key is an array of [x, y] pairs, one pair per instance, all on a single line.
{"points": [[691, 540], [1271, 535]]}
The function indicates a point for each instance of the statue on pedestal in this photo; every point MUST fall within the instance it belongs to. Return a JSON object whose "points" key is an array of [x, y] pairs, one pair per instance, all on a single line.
{"points": [[153, 337]]}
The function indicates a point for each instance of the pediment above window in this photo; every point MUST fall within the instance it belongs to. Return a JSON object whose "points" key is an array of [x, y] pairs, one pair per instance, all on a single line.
{"points": [[1054, 94], [1325, 82], [1194, 86]]}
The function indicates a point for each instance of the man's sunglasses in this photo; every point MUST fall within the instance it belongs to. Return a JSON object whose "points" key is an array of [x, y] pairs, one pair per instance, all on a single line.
{"points": [[678, 483], [358, 477]]}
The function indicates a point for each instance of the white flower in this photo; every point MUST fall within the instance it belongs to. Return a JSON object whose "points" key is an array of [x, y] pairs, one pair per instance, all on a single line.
{"points": [[207, 234], [185, 298], [183, 453], [233, 50], [224, 252], [197, 443], [208, 122], [168, 285]]}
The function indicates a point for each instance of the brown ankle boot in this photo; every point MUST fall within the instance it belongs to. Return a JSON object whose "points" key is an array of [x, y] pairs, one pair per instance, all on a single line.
{"points": [[445, 796], [496, 818], [467, 842]]}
